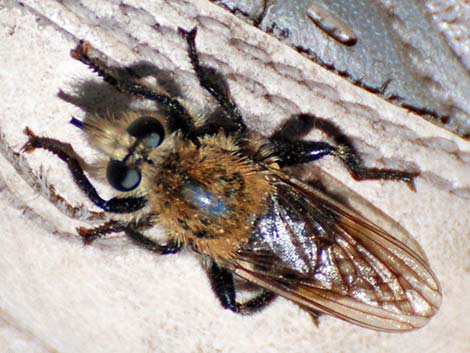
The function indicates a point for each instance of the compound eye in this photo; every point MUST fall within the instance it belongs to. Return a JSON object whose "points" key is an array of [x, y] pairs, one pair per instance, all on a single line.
{"points": [[122, 177], [149, 130]]}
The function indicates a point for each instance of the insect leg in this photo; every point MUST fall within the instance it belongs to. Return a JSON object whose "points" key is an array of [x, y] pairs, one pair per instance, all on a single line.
{"points": [[292, 151], [66, 153], [178, 115], [297, 152], [224, 288], [140, 239], [90, 235], [212, 81]]}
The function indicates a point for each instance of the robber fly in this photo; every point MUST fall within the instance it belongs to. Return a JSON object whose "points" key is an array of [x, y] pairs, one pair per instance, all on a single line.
{"points": [[224, 191]]}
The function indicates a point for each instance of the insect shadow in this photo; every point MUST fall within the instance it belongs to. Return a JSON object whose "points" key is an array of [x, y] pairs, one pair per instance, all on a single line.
{"points": [[99, 97]]}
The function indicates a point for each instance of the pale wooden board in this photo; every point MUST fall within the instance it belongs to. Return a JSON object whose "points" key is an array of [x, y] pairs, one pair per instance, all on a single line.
{"points": [[58, 296]]}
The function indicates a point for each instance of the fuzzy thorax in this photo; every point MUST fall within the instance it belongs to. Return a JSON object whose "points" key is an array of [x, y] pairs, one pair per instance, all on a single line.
{"points": [[206, 196]]}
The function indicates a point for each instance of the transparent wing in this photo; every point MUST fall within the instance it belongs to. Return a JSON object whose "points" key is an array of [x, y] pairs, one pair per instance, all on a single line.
{"points": [[323, 255]]}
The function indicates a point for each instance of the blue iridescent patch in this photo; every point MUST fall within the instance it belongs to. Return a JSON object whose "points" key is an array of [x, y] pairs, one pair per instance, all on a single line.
{"points": [[205, 200]]}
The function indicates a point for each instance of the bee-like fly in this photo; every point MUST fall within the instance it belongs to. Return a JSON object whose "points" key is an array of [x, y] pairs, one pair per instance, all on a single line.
{"points": [[223, 191]]}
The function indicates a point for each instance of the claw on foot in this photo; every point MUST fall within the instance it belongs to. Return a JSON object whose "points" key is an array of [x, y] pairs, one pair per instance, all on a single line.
{"points": [[188, 34], [81, 50], [30, 145]]}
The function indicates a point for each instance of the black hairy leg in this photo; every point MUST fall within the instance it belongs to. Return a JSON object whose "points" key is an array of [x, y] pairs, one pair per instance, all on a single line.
{"points": [[292, 151], [149, 244], [224, 288], [66, 153], [213, 82], [178, 116], [91, 234]]}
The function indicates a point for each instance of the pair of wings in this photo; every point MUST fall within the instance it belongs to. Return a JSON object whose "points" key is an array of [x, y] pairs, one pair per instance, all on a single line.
{"points": [[328, 258]]}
